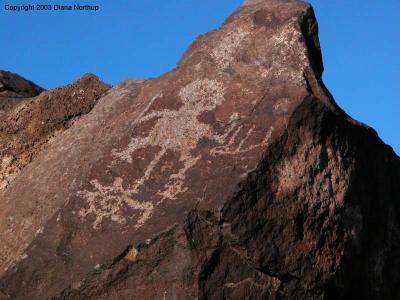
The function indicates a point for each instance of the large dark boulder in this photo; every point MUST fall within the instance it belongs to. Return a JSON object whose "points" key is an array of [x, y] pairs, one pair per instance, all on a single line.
{"points": [[234, 176]]}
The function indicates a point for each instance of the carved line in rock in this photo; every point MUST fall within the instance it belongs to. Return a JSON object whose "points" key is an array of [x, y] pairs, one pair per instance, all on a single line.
{"points": [[175, 130], [107, 201]]}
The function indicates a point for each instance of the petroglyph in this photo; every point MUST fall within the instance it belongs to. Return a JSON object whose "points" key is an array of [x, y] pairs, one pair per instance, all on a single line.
{"points": [[107, 202], [179, 131], [282, 105], [174, 130], [224, 52], [288, 41], [230, 147]]}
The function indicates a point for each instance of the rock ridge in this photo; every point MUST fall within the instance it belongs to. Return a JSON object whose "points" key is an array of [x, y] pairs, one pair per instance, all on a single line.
{"points": [[28, 127], [224, 254], [235, 175], [17, 86]]}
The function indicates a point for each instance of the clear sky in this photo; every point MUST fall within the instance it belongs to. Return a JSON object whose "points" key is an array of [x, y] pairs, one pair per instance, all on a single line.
{"points": [[145, 38]]}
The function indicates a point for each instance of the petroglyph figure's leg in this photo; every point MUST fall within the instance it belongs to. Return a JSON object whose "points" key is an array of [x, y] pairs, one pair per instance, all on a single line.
{"points": [[149, 170], [108, 201], [175, 184], [239, 147], [134, 144]]}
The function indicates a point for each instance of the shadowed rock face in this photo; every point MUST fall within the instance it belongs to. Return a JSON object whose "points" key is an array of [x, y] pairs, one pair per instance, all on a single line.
{"points": [[16, 86], [317, 219], [235, 175], [15, 89]]}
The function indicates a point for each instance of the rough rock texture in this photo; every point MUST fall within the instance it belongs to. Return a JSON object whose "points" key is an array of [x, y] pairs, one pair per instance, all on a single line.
{"points": [[15, 89], [14, 86], [233, 176], [329, 233], [29, 126]]}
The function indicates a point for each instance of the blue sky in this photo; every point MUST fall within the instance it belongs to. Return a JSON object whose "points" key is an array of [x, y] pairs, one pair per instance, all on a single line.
{"points": [[145, 38]]}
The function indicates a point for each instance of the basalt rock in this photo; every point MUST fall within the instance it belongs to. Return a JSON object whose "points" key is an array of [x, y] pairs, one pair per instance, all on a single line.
{"points": [[315, 220], [16, 86], [234, 176], [15, 89], [31, 124]]}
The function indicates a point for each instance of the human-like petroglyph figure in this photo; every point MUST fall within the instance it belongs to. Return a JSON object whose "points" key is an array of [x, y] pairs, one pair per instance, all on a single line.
{"points": [[179, 131], [107, 202], [174, 130]]}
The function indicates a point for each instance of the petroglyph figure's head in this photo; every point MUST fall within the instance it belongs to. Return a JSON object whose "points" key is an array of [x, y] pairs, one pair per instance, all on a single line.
{"points": [[203, 94]]}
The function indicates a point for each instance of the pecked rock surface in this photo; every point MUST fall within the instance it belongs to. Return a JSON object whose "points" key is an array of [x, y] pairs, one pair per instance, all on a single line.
{"points": [[317, 219], [235, 175]]}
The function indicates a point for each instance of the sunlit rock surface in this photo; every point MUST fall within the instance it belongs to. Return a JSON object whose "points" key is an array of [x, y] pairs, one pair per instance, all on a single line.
{"points": [[235, 175]]}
